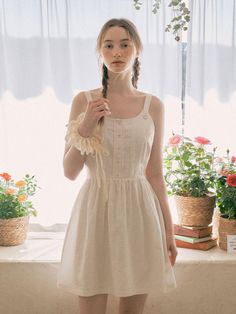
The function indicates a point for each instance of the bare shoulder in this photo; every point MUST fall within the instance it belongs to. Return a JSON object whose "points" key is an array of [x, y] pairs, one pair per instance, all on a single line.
{"points": [[79, 103], [156, 108], [96, 93]]}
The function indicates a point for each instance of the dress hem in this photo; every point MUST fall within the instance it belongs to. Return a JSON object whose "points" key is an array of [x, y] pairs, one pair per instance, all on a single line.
{"points": [[88, 292]]}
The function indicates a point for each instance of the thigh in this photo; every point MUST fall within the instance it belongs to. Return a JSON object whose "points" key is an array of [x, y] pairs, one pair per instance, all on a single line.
{"points": [[133, 304], [95, 304]]}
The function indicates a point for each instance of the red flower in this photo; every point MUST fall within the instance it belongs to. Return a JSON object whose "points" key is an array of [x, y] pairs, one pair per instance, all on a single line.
{"points": [[233, 159], [202, 140], [175, 140], [5, 176], [231, 179]]}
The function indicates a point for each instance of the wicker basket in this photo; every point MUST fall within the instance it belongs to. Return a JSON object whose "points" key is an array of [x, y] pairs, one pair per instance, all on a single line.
{"points": [[13, 231], [225, 227], [195, 211]]}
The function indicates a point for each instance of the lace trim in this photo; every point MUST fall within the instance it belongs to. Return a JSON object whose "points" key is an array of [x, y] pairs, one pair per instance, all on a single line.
{"points": [[88, 145]]}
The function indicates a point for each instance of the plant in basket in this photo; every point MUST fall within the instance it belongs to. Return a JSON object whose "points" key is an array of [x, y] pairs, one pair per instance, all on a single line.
{"points": [[15, 207], [225, 186], [189, 176]]}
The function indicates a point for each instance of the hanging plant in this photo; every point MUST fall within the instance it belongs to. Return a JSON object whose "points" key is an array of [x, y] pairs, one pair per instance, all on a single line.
{"points": [[181, 17]]}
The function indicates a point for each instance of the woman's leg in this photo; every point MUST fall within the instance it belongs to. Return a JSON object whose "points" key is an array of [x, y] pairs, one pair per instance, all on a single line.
{"points": [[133, 304], [95, 304]]}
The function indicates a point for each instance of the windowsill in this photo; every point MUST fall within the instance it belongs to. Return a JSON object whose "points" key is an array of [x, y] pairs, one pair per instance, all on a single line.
{"points": [[46, 247]]}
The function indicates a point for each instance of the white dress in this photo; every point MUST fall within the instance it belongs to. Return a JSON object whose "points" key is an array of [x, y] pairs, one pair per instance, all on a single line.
{"points": [[115, 239]]}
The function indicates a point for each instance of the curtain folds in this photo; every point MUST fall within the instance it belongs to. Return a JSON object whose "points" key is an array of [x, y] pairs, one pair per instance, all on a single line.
{"points": [[211, 54], [52, 43]]}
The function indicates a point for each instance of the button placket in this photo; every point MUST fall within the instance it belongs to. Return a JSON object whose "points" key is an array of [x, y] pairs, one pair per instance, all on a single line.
{"points": [[118, 137]]}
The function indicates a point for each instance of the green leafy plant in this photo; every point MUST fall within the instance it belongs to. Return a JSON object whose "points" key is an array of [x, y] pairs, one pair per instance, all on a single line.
{"points": [[14, 196], [189, 167], [225, 185], [181, 14]]}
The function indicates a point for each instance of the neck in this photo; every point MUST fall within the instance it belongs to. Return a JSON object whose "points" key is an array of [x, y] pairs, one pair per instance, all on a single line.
{"points": [[120, 83]]}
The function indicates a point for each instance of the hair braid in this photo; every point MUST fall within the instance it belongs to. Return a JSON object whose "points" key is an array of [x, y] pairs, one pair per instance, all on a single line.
{"points": [[136, 70], [105, 86]]}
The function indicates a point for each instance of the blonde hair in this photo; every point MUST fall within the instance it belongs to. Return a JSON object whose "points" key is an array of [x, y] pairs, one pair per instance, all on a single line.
{"points": [[134, 35]]}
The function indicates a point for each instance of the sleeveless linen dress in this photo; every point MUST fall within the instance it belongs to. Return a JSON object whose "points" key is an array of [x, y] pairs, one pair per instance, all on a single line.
{"points": [[115, 239]]}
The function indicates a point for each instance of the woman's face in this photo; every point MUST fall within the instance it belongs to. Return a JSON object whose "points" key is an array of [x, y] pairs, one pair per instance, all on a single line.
{"points": [[118, 51]]}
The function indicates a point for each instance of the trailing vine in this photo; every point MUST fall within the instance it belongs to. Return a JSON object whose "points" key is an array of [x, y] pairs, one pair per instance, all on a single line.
{"points": [[181, 17]]}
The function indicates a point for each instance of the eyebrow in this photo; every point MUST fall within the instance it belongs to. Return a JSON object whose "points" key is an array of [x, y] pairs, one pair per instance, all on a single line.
{"points": [[125, 39]]}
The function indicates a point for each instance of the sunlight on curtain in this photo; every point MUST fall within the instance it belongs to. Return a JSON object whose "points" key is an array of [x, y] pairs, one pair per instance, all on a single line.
{"points": [[214, 120], [47, 53], [211, 73]]}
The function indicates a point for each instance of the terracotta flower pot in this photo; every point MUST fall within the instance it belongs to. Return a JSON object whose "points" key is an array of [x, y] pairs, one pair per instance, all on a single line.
{"points": [[225, 227], [195, 211], [13, 231]]}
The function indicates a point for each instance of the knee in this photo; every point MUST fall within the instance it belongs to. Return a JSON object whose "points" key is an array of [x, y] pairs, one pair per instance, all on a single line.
{"points": [[132, 305]]}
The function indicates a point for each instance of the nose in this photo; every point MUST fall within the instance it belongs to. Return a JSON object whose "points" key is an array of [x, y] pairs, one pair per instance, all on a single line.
{"points": [[117, 53]]}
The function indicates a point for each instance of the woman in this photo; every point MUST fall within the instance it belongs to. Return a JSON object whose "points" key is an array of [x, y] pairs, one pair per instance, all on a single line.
{"points": [[120, 237]]}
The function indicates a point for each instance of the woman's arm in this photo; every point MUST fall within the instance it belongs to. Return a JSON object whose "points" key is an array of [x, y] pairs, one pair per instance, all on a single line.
{"points": [[154, 169], [73, 160], [154, 173]]}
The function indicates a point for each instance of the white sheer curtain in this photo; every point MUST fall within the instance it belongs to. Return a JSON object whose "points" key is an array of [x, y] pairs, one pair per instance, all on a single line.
{"points": [[211, 72], [47, 51]]}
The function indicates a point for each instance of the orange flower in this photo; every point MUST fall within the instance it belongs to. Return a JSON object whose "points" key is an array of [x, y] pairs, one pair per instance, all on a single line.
{"points": [[5, 176], [22, 197], [224, 172], [10, 191], [20, 184]]}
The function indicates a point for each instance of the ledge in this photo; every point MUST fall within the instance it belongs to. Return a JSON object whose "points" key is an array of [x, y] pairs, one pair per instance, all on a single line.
{"points": [[29, 273], [46, 247]]}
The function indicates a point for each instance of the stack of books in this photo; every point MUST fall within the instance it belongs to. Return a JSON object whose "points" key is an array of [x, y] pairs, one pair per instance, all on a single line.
{"points": [[198, 238]]}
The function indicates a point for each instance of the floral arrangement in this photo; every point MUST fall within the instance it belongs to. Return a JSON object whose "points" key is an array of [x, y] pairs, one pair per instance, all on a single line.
{"points": [[189, 167], [225, 185], [14, 196]]}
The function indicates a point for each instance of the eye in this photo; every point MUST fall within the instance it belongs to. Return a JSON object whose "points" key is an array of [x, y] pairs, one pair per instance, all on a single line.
{"points": [[108, 46], [125, 45]]}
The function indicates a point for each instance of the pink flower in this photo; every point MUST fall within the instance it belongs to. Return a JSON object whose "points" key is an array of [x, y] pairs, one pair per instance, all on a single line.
{"points": [[175, 140], [219, 159], [231, 179], [202, 140], [233, 159]]}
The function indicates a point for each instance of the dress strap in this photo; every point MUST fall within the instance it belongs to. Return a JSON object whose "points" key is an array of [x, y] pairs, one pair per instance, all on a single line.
{"points": [[88, 96], [147, 103]]}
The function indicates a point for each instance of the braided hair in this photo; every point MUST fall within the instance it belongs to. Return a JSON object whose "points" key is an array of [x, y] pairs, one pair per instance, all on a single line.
{"points": [[133, 32]]}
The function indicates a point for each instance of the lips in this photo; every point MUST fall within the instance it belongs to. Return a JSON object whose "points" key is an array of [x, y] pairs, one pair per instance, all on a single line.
{"points": [[117, 62]]}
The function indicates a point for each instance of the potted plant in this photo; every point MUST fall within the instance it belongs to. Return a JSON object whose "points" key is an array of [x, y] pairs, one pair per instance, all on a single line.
{"points": [[189, 176], [15, 208], [225, 186]]}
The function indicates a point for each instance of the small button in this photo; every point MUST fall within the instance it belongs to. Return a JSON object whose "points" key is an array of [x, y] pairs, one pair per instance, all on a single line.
{"points": [[145, 116], [118, 135]]}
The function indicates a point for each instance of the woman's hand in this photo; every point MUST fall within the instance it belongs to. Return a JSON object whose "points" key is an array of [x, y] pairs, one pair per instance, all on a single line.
{"points": [[94, 111], [171, 248]]}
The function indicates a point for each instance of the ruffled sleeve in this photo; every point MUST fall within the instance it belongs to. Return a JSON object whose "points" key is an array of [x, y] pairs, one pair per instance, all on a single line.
{"points": [[86, 145]]}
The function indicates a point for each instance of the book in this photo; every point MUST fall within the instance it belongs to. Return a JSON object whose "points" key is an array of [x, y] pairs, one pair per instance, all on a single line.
{"points": [[192, 239], [197, 232], [197, 246]]}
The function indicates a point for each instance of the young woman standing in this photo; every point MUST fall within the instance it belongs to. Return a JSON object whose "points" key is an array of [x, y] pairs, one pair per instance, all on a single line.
{"points": [[120, 238]]}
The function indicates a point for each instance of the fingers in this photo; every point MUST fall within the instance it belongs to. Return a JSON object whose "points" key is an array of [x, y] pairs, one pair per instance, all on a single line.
{"points": [[100, 106], [99, 101]]}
